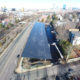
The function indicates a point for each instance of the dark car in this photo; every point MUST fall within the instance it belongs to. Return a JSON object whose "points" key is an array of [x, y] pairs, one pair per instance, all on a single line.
{"points": [[18, 56]]}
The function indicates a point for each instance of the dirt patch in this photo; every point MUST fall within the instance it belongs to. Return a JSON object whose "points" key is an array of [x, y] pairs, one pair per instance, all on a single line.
{"points": [[75, 52]]}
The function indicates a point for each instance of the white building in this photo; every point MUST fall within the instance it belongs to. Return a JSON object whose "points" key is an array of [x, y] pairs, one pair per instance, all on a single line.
{"points": [[75, 37], [60, 17]]}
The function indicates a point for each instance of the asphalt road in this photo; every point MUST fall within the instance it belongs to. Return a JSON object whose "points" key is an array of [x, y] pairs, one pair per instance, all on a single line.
{"points": [[8, 61]]}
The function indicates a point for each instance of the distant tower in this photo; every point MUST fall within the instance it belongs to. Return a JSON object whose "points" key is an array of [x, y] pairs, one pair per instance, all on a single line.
{"points": [[64, 6], [22, 9], [0, 8], [4, 9]]}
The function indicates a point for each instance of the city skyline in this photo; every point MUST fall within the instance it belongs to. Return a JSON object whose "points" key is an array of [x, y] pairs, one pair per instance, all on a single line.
{"points": [[35, 4], [46, 4]]}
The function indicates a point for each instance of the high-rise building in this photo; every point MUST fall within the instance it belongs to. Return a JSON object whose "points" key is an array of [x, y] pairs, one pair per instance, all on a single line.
{"points": [[13, 9], [64, 6]]}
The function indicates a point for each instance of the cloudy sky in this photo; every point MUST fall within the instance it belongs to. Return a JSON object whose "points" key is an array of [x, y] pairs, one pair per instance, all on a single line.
{"points": [[39, 4]]}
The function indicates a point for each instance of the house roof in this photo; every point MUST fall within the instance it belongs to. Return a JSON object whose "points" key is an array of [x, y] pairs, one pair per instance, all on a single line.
{"points": [[37, 44], [76, 33]]}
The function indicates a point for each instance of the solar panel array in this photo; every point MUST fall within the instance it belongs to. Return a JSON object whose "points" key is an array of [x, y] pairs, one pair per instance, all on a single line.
{"points": [[37, 44]]}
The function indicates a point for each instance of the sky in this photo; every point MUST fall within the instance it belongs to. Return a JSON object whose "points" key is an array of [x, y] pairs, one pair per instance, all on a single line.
{"points": [[39, 4]]}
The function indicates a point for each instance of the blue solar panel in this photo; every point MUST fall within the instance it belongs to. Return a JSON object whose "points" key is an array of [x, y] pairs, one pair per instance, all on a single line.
{"points": [[37, 44]]}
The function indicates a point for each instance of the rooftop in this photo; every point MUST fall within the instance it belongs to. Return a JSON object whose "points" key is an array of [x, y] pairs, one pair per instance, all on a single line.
{"points": [[76, 33]]}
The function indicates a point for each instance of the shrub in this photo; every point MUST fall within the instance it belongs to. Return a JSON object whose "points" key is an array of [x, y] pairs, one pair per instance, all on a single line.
{"points": [[66, 47], [42, 20], [1, 26]]}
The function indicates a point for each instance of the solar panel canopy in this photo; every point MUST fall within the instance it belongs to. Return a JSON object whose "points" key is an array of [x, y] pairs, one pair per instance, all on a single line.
{"points": [[37, 44]]}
